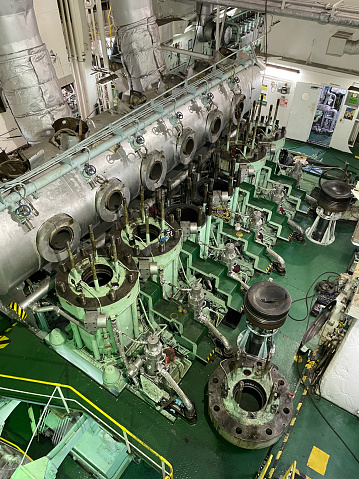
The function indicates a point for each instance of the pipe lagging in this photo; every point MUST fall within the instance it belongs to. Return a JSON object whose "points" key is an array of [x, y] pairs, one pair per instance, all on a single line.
{"points": [[228, 350], [276, 257], [188, 404]]}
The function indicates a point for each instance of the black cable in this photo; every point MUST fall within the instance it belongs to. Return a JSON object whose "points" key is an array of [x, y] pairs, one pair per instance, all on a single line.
{"points": [[308, 297], [322, 415]]}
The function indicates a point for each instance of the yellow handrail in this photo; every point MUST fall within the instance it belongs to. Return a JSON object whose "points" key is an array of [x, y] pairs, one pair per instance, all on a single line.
{"points": [[66, 386], [265, 469], [16, 447]]}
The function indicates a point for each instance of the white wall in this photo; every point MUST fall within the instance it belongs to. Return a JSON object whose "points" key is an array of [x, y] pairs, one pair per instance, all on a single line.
{"points": [[304, 40], [315, 76]]}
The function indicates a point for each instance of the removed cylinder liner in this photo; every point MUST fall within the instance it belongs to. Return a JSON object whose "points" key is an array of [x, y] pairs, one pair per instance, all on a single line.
{"points": [[248, 406], [266, 305]]}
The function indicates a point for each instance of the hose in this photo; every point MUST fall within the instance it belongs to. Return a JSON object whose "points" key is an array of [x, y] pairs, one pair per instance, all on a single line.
{"points": [[188, 404], [295, 226], [228, 351], [276, 258]]}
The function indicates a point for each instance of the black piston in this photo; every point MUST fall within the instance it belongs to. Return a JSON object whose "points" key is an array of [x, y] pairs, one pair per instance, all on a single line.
{"points": [[266, 305]]}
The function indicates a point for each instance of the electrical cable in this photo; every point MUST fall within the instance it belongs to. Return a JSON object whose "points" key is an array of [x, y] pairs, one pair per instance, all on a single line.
{"points": [[308, 297], [321, 414]]}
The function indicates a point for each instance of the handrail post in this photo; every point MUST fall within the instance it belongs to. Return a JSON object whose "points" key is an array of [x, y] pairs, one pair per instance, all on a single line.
{"points": [[127, 442], [37, 425], [63, 399], [164, 474]]}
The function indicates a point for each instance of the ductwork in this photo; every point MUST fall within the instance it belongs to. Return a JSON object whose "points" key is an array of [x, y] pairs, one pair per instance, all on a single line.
{"points": [[341, 42], [305, 10], [27, 76], [139, 42], [351, 47]]}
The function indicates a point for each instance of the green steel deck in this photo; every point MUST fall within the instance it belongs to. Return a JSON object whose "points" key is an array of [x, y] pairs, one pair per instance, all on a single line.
{"points": [[197, 451]]}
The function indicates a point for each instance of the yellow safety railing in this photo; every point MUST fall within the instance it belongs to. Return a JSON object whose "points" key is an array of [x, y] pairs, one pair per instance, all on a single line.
{"points": [[103, 413], [290, 473], [265, 468]]}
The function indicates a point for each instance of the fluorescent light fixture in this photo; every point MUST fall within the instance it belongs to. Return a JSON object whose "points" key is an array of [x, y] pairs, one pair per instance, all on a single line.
{"points": [[281, 67]]}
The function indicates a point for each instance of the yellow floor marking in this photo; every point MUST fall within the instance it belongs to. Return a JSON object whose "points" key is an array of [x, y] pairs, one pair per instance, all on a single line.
{"points": [[318, 460], [3, 338]]}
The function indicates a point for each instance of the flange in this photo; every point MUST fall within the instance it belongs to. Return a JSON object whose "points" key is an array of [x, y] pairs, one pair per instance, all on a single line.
{"points": [[248, 406]]}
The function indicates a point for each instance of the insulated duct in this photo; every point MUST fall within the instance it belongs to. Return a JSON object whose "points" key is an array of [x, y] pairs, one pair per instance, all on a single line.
{"points": [[139, 42], [305, 10], [27, 76]]}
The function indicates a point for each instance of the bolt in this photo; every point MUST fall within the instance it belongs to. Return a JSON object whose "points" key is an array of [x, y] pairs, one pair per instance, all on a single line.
{"points": [[63, 267], [82, 299], [112, 294], [61, 287], [131, 277]]}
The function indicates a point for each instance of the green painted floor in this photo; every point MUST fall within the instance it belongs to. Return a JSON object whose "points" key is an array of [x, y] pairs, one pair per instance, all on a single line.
{"points": [[197, 451]]}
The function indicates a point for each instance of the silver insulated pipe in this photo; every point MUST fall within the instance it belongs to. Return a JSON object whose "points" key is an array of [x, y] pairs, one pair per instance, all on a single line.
{"points": [[27, 76], [139, 42]]}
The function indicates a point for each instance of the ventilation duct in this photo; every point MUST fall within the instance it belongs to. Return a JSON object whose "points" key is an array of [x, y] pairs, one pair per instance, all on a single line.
{"points": [[341, 43], [139, 42], [27, 76]]}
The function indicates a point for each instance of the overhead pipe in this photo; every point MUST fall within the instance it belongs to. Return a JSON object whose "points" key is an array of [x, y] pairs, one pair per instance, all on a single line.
{"points": [[27, 75], [201, 56], [317, 11]]}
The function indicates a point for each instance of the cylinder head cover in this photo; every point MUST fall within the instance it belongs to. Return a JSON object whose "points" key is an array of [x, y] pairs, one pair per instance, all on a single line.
{"points": [[266, 305]]}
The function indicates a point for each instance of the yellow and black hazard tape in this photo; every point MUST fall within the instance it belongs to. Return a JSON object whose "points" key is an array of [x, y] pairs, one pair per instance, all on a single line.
{"points": [[18, 310], [301, 475], [212, 353], [290, 236], [291, 425], [269, 267], [242, 308]]}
